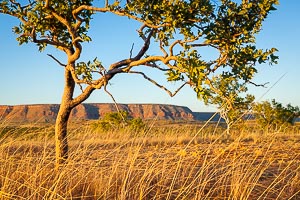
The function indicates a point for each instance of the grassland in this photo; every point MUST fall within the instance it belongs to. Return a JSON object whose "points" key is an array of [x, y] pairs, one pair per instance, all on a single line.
{"points": [[162, 162]]}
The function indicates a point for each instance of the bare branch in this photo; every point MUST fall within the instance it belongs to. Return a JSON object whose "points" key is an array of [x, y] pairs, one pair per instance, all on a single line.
{"points": [[130, 55], [57, 60], [81, 88], [158, 85], [154, 65], [105, 89], [199, 45], [259, 85]]}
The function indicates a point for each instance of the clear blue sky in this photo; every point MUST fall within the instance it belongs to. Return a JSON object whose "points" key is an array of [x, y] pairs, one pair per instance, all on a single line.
{"points": [[31, 77]]}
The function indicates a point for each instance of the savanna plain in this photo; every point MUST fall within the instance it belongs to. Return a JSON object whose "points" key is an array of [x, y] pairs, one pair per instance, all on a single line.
{"points": [[162, 161]]}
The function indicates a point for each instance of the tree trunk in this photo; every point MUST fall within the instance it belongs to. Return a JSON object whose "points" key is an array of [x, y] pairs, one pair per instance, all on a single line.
{"points": [[61, 125], [61, 139], [66, 106]]}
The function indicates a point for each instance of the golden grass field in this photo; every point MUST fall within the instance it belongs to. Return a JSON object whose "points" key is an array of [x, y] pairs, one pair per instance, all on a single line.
{"points": [[162, 162]]}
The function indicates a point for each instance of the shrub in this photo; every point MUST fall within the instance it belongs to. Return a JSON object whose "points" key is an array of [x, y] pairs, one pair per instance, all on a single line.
{"points": [[119, 120], [273, 115]]}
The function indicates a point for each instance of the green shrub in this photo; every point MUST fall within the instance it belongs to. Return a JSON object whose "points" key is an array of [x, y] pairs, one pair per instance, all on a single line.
{"points": [[117, 121], [273, 115]]}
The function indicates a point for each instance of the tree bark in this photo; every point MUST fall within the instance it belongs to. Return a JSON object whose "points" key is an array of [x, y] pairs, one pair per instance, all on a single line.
{"points": [[61, 125]]}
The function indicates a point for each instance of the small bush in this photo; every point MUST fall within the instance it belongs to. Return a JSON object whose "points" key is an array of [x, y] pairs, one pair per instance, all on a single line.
{"points": [[117, 121]]}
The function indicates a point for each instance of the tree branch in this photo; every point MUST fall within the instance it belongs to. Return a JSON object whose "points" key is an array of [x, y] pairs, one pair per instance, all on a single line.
{"points": [[112, 97], [259, 85], [158, 85], [154, 65], [83, 96], [137, 57], [57, 60], [46, 41], [149, 60], [130, 53]]}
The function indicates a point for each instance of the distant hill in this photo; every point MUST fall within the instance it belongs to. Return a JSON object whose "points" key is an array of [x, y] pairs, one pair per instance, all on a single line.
{"points": [[87, 111], [205, 116]]}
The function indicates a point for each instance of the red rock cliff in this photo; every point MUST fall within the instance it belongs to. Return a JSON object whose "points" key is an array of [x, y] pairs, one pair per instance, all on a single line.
{"points": [[48, 112]]}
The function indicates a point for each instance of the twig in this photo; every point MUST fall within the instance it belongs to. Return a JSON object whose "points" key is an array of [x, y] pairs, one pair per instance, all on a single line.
{"points": [[259, 85], [154, 65], [57, 60], [112, 97], [81, 88], [130, 55]]}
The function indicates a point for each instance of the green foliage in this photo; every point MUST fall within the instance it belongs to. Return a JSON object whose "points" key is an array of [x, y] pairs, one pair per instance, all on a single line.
{"points": [[171, 16], [272, 115], [119, 120], [85, 70]]}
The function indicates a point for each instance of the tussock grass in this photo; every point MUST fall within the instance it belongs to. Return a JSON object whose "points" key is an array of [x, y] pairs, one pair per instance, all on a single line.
{"points": [[160, 163]]}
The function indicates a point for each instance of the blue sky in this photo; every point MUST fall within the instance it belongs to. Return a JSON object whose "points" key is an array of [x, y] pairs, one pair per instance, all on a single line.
{"points": [[31, 77]]}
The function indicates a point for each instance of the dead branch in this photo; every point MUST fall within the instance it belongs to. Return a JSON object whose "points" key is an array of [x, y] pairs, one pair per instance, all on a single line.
{"points": [[61, 64], [81, 88], [158, 85], [154, 65], [130, 54], [259, 85]]}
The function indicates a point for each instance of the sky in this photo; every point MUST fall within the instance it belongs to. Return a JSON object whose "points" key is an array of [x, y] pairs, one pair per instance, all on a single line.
{"points": [[31, 77]]}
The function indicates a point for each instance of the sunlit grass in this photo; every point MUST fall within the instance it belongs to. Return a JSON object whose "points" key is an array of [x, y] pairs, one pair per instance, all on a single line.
{"points": [[158, 163]]}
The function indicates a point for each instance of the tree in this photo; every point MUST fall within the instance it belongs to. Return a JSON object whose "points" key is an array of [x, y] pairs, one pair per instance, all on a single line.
{"points": [[228, 97], [179, 29], [273, 114], [232, 35]]}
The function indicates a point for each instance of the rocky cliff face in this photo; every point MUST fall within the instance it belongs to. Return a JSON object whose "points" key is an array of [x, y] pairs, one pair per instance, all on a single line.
{"points": [[48, 112]]}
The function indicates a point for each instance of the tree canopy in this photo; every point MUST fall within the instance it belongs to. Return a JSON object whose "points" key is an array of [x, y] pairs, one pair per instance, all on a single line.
{"points": [[179, 29]]}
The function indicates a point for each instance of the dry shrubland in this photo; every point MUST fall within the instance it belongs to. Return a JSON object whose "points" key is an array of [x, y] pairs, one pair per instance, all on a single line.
{"points": [[161, 162]]}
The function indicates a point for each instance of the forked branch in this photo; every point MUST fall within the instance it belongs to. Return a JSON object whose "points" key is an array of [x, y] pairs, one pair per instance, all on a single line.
{"points": [[141, 53]]}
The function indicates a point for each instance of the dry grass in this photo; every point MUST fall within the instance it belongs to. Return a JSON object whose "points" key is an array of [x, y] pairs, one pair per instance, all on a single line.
{"points": [[161, 163]]}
